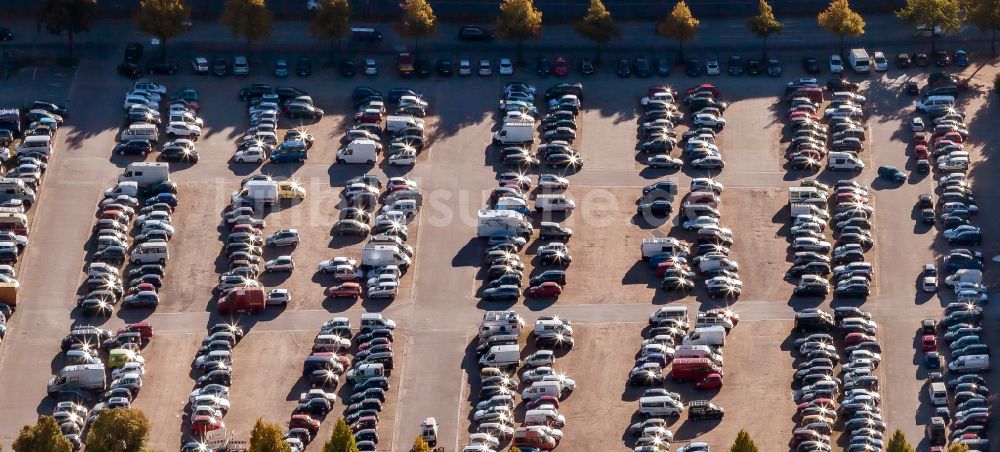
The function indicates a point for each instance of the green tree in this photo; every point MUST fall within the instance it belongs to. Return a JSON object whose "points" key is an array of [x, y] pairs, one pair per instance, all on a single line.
{"points": [[598, 26], [933, 14], [45, 435], [743, 443], [164, 19], [519, 20], [119, 430], [248, 19], [69, 16], [267, 437], [984, 14], [419, 445], [898, 443], [680, 25], [958, 448], [342, 440], [418, 21], [764, 24], [332, 21], [841, 20]]}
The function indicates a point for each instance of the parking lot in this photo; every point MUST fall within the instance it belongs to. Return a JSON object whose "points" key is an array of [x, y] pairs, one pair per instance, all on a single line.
{"points": [[609, 294]]}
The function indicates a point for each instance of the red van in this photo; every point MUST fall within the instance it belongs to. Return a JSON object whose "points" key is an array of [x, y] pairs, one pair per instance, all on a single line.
{"points": [[249, 299], [693, 369]]}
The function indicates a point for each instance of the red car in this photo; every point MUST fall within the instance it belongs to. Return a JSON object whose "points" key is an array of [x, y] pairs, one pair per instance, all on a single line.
{"points": [[928, 343], [857, 338], [560, 67], [304, 421], [345, 290], [144, 329], [704, 87], [712, 381], [545, 289], [543, 400], [920, 151], [141, 287], [829, 403], [953, 137], [368, 117], [201, 425]]}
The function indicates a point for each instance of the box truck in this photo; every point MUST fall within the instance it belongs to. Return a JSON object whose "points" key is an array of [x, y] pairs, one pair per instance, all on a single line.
{"points": [[515, 132]]}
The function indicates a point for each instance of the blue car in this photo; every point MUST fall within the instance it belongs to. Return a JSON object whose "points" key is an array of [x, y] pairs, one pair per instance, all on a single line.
{"points": [[166, 198], [289, 156], [961, 58], [932, 360], [891, 173]]}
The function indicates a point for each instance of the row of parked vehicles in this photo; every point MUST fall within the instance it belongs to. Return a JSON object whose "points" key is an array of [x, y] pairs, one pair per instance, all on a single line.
{"points": [[386, 256], [265, 106], [393, 123], [812, 263], [515, 135], [840, 140], [208, 402], [960, 400], [849, 402], [145, 105], [90, 356], [661, 116], [542, 388], [18, 193], [694, 355]]}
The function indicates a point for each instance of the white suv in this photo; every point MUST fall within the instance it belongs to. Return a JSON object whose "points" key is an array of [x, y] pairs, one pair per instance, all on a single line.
{"points": [[183, 129]]}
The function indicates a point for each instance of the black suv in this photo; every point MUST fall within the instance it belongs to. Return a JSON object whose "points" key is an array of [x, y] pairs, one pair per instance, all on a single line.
{"points": [[303, 67], [219, 66], [813, 320], [256, 90], [162, 68], [444, 67], [470, 33], [735, 65], [136, 147]]}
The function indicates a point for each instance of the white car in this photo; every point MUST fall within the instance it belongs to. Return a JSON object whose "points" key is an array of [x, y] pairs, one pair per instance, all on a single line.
{"points": [[553, 181], [540, 358], [149, 86], [537, 374], [385, 289], [403, 158], [252, 154], [183, 129], [881, 64], [155, 97], [280, 297], [212, 389], [370, 67], [709, 120], [211, 400], [917, 124], [464, 67], [836, 64], [332, 264], [712, 67], [706, 184], [280, 264], [506, 67]]}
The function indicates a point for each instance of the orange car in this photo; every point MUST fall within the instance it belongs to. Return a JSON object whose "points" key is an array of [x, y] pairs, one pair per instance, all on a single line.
{"points": [[345, 290]]}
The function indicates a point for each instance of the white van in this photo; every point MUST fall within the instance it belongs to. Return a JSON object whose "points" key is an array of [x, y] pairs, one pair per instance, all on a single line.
{"points": [[548, 417], [140, 131], [970, 364], [660, 406], [938, 393], [844, 161], [35, 143], [663, 245], [934, 101], [502, 356], [395, 124], [669, 312], [150, 253], [359, 151], [554, 202], [806, 195], [542, 388], [860, 61]]}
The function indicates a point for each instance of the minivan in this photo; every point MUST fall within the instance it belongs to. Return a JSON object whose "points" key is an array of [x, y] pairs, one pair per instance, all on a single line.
{"points": [[660, 406], [935, 101], [140, 131], [149, 253]]}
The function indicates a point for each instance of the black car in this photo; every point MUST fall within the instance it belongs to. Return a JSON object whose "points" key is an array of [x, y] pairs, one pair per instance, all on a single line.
{"points": [[942, 58], [586, 66], [112, 254], [656, 208], [642, 67], [920, 59], [137, 147], [624, 70], [735, 65], [219, 66], [179, 154], [753, 66], [662, 67], [6, 34], [471, 33], [162, 68], [903, 60], [347, 68], [773, 68], [556, 276], [810, 65], [444, 67], [133, 52], [839, 84], [693, 67], [423, 68], [542, 66], [303, 67], [130, 70]]}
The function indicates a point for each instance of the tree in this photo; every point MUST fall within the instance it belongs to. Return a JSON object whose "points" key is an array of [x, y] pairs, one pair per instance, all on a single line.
{"points": [[515, 449], [680, 25], [898, 443], [743, 443], [332, 21], [841, 20], [267, 437], [119, 430], [419, 445], [764, 24], [164, 19], [44, 435], [418, 21], [943, 15], [598, 26], [69, 16], [248, 19], [984, 14], [519, 20], [958, 448], [342, 439]]}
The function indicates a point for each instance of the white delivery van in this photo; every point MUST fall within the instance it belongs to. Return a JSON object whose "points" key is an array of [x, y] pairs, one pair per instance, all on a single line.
{"points": [[806, 195], [362, 150], [145, 174], [140, 131], [660, 406], [150, 253], [663, 245], [554, 203], [88, 377], [263, 192], [548, 417], [712, 335], [506, 222], [395, 124], [669, 312], [542, 388], [698, 351], [557, 326], [970, 364], [935, 101], [938, 393], [860, 61], [128, 188], [35, 143], [808, 209], [381, 255], [502, 356], [515, 132], [500, 322], [844, 161]]}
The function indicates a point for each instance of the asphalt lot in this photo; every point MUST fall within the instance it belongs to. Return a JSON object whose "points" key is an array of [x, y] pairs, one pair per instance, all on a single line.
{"points": [[609, 294]]}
